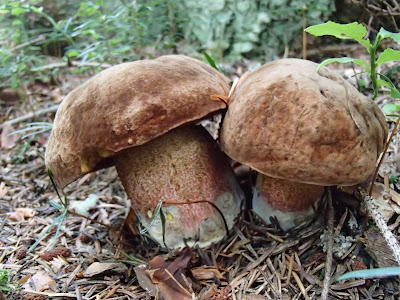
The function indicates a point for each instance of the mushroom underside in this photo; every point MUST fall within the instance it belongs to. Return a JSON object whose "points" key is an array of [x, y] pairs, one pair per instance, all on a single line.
{"points": [[187, 171]]}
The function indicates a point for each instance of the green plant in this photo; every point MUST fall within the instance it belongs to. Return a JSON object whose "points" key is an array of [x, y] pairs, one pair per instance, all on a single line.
{"points": [[237, 28], [90, 31], [4, 280], [63, 208], [358, 32], [30, 130]]}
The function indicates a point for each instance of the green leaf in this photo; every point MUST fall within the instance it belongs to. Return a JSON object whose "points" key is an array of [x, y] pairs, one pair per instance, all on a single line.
{"points": [[211, 61], [391, 108], [383, 33], [56, 205], [371, 273], [394, 92], [344, 60], [72, 53], [388, 55], [16, 11], [60, 217], [353, 31]]}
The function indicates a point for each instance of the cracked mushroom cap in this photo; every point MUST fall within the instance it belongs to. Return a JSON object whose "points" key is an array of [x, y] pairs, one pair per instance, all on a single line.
{"points": [[128, 105], [288, 121]]}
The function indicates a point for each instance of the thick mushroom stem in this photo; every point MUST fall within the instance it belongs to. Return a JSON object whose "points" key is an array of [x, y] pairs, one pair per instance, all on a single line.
{"points": [[290, 202], [183, 166]]}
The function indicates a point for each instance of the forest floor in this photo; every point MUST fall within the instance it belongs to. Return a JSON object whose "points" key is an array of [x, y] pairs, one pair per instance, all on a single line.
{"points": [[103, 257]]}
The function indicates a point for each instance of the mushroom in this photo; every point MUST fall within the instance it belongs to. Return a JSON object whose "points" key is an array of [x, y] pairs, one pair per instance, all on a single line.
{"points": [[140, 116], [301, 130]]}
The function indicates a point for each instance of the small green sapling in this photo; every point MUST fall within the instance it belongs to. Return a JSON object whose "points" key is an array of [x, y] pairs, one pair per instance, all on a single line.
{"points": [[358, 33]]}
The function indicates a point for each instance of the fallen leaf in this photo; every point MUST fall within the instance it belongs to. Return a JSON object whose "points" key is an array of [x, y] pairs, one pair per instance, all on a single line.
{"points": [[179, 263], [144, 280], [206, 273], [382, 199], [56, 252], [8, 141], [20, 213], [209, 293], [9, 96], [158, 279], [39, 282], [98, 268]]}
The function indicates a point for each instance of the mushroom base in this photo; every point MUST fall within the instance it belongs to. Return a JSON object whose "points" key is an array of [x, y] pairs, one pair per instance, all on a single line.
{"points": [[291, 203], [184, 168]]}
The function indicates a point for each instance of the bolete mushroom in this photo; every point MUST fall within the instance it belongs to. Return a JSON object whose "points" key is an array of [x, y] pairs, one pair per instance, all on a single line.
{"points": [[301, 130], [139, 117]]}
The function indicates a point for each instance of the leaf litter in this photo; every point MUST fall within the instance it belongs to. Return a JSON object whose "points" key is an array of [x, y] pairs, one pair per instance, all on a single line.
{"points": [[100, 262]]}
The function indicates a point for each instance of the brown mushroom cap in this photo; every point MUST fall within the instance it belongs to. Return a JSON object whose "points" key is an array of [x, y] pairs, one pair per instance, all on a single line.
{"points": [[291, 122], [125, 106]]}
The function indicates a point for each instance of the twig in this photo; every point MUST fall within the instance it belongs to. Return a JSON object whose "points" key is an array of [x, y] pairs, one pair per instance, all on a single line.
{"points": [[74, 63], [40, 38], [329, 248], [31, 115], [380, 222]]}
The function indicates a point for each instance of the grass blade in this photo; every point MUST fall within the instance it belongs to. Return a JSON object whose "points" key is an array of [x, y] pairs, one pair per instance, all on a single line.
{"points": [[371, 273]]}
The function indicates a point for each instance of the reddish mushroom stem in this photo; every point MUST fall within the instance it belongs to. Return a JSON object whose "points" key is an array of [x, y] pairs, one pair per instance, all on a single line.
{"points": [[183, 166], [290, 202]]}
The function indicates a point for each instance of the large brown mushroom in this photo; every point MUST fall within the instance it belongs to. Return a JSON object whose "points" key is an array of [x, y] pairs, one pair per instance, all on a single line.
{"points": [[132, 116], [301, 130]]}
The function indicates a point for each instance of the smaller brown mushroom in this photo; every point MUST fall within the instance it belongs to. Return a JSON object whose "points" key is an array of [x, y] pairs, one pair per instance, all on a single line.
{"points": [[139, 117], [301, 130]]}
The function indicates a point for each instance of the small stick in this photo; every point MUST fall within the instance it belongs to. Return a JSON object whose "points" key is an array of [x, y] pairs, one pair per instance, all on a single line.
{"points": [[391, 240], [31, 115], [329, 248]]}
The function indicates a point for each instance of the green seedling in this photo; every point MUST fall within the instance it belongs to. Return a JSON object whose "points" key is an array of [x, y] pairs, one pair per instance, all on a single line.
{"points": [[30, 130], [358, 32]]}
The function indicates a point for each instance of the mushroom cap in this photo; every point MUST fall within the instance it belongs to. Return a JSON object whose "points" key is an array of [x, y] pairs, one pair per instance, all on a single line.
{"points": [[288, 121], [128, 105]]}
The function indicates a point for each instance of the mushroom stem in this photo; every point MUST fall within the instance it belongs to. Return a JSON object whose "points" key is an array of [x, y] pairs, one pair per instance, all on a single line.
{"points": [[290, 202], [183, 166]]}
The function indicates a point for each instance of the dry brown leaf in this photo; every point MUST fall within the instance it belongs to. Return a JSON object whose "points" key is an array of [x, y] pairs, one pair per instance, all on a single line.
{"points": [[58, 251], [206, 273], [20, 213], [209, 293], [144, 280], [8, 141], [40, 281], [98, 268], [382, 200], [179, 263], [158, 277]]}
